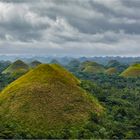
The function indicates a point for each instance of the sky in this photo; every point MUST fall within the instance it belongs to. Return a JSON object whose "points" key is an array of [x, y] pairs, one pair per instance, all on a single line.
{"points": [[70, 27]]}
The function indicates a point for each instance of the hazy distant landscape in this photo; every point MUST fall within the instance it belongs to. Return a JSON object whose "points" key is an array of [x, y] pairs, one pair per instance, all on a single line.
{"points": [[69, 69]]}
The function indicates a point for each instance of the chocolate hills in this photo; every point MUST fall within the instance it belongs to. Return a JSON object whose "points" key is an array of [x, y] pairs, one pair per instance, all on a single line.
{"points": [[92, 67], [16, 68], [111, 71], [132, 71], [4, 65], [46, 102], [117, 66], [54, 61], [113, 63], [34, 64]]}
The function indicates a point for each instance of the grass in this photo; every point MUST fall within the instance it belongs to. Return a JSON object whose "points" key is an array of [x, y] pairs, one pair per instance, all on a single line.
{"points": [[111, 71], [47, 99], [92, 67], [132, 71]]}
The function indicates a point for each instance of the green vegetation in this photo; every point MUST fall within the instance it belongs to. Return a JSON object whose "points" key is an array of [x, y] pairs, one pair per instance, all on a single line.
{"points": [[46, 102], [122, 118], [113, 63], [4, 65], [132, 71], [73, 65], [120, 96], [116, 65], [5, 79]]}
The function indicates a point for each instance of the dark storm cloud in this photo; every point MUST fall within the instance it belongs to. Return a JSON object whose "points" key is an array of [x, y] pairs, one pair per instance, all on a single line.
{"points": [[86, 27]]}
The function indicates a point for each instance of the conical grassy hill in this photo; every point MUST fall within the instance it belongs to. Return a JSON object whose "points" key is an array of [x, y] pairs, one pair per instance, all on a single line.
{"points": [[54, 61], [46, 101], [16, 68], [111, 71], [34, 64], [92, 67], [132, 71]]}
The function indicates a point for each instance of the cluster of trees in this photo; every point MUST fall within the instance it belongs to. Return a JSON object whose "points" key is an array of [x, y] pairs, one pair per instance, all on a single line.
{"points": [[4, 65], [113, 80], [121, 100], [5, 79]]}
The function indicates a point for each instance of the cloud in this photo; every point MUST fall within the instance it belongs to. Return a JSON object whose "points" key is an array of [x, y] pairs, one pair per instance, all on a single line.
{"points": [[75, 27]]}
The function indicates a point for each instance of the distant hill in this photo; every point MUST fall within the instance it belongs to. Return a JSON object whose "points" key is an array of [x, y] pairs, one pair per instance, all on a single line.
{"points": [[47, 102], [113, 63], [92, 67], [73, 65], [17, 68], [4, 65], [34, 64], [117, 65], [132, 71], [54, 61], [111, 71]]}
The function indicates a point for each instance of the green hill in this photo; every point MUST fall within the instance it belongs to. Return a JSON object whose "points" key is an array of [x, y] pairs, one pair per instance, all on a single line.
{"points": [[4, 65], [113, 63], [92, 67], [111, 71], [73, 65], [120, 67], [46, 102], [54, 61], [34, 64], [132, 71], [17, 68]]}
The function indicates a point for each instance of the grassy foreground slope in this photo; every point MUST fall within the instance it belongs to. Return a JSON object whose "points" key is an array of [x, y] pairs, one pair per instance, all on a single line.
{"points": [[132, 71], [47, 101]]}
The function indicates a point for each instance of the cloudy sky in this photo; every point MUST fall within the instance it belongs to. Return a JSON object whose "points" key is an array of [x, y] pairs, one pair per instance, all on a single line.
{"points": [[70, 27]]}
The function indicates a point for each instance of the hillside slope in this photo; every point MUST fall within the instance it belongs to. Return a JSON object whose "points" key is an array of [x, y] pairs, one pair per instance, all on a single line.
{"points": [[92, 67], [46, 101], [111, 71], [16, 68], [132, 71]]}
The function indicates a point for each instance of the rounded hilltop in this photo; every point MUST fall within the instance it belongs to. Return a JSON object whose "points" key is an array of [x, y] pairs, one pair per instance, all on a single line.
{"points": [[92, 67], [111, 71], [16, 68], [47, 100], [35, 63]]}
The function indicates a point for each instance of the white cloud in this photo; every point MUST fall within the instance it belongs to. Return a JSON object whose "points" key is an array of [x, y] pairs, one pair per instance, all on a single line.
{"points": [[92, 27]]}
